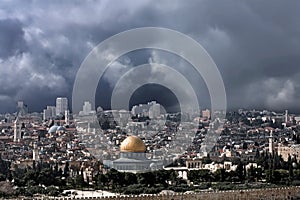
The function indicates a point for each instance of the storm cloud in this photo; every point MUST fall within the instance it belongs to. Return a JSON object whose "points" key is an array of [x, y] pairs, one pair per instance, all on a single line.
{"points": [[255, 44]]}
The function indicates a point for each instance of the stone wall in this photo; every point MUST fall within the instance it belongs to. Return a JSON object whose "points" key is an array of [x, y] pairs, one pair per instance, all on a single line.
{"points": [[287, 193]]}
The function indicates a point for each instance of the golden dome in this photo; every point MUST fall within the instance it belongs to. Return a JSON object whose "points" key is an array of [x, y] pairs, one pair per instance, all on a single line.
{"points": [[133, 144]]}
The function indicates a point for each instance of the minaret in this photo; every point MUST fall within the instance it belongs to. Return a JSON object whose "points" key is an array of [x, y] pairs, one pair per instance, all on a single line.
{"points": [[271, 143], [286, 116], [17, 130], [67, 117], [35, 153]]}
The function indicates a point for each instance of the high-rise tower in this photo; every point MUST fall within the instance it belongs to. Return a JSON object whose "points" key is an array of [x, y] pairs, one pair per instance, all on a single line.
{"points": [[61, 105]]}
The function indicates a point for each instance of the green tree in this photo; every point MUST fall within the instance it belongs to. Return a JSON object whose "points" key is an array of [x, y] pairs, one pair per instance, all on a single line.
{"points": [[101, 180], [66, 169], [79, 181], [146, 178], [220, 175], [46, 177], [251, 174], [116, 178], [197, 176], [173, 177], [130, 178], [53, 191], [240, 171]]}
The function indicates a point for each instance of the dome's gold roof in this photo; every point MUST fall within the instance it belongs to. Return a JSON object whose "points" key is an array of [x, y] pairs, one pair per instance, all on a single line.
{"points": [[133, 144]]}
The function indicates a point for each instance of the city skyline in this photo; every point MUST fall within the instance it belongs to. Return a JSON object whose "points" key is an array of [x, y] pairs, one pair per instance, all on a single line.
{"points": [[87, 108]]}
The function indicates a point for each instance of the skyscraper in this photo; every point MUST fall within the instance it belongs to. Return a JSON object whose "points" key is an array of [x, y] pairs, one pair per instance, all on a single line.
{"points": [[61, 105], [154, 110], [87, 108], [49, 112], [22, 108], [151, 109]]}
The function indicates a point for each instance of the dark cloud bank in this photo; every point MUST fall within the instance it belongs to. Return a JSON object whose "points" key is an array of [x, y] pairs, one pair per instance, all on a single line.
{"points": [[255, 44]]}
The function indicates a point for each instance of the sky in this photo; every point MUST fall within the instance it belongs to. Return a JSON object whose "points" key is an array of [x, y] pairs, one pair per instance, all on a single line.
{"points": [[255, 45]]}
